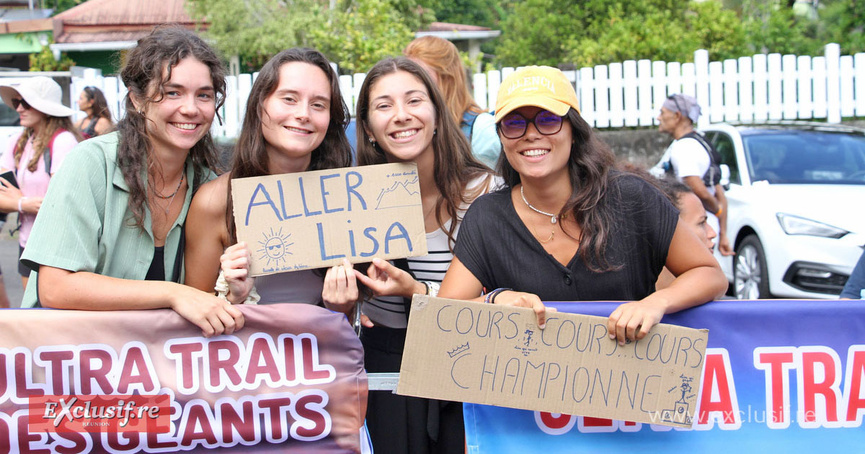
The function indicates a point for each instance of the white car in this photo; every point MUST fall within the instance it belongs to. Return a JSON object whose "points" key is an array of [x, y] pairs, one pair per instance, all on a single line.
{"points": [[796, 207]]}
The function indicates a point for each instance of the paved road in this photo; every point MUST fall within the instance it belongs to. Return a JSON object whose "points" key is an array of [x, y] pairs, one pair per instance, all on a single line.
{"points": [[9, 262]]}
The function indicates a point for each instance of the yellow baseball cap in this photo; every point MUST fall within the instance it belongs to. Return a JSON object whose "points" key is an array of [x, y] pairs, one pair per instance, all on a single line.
{"points": [[539, 86]]}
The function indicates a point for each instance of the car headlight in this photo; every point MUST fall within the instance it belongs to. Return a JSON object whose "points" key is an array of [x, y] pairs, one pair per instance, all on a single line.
{"points": [[795, 225]]}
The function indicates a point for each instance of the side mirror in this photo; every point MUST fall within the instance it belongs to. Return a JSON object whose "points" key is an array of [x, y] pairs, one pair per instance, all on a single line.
{"points": [[725, 176]]}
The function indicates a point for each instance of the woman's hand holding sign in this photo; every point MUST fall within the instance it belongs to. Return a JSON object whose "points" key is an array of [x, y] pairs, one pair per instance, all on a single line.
{"points": [[234, 263], [385, 279]]}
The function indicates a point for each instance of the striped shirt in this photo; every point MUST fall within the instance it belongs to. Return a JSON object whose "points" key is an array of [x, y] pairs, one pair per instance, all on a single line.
{"points": [[389, 311]]}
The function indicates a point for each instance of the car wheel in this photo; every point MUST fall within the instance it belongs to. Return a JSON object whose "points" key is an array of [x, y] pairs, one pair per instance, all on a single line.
{"points": [[750, 275]]}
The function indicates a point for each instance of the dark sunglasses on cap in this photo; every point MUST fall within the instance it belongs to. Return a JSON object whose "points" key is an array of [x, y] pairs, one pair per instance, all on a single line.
{"points": [[676, 102], [514, 125], [20, 102]]}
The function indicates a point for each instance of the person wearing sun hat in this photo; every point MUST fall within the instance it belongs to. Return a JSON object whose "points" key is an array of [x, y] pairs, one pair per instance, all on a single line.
{"points": [[569, 226], [35, 154]]}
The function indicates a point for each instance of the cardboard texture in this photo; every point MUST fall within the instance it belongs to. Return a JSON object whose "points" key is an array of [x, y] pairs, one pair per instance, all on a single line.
{"points": [[315, 219], [497, 355]]}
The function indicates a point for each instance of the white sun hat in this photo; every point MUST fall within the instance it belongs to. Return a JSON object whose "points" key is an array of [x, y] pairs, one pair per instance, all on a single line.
{"points": [[42, 93]]}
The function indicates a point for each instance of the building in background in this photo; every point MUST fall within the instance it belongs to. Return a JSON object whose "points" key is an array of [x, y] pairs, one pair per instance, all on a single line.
{"points": [[97, 32]]}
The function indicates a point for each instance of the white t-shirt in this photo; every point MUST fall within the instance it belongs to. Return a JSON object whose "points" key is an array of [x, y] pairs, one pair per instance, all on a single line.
{"points": [[690, 159]]}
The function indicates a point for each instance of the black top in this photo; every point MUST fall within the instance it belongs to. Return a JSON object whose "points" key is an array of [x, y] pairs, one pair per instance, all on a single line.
{"points": [[157, 266], [501, 252], [90, 131]]}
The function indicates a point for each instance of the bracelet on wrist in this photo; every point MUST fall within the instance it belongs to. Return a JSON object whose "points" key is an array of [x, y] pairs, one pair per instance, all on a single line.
{"points": [[432, 288], [490, 297], [222, 290], [20, 201]]}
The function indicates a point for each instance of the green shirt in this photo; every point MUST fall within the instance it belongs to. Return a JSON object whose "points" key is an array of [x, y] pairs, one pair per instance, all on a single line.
{"points": [[85, 224]]}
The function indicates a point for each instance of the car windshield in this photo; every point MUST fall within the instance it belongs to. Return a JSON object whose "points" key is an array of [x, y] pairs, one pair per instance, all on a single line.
{"points": [[805, 157]]}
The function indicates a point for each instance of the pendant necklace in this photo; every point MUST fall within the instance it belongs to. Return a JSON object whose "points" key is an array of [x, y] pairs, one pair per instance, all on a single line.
{"points": [[553, 218], [173, 195]]}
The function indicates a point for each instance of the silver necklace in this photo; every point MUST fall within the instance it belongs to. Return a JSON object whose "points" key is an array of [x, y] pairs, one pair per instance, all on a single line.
{"points": [[171, 196], [553, 217]]}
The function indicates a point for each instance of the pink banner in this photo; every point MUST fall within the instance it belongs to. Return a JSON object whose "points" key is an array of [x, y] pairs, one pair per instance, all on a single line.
{"points": [[291, 379]]}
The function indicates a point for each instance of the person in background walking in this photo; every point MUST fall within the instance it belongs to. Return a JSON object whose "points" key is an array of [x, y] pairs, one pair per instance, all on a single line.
{"points": [[98, 120], [693, 161], [109, 235], [36, 154], [441, 60]]}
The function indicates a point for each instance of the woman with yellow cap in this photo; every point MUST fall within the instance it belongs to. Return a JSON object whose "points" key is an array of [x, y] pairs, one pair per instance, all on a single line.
{"points": [[568, 227]]}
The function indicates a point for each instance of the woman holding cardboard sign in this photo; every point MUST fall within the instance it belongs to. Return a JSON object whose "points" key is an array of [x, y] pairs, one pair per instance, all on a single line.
{"points": [[402, 117], [109, 233], [295, 121], [570, 228]]}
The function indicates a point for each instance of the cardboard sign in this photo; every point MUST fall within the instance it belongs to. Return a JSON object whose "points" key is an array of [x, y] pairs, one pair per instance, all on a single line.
{"points": [[497, 355], [304, 220]]}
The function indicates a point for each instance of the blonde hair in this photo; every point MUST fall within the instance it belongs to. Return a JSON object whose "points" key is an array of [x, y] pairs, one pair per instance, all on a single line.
{"points": [[443, 57], [41, 139]]}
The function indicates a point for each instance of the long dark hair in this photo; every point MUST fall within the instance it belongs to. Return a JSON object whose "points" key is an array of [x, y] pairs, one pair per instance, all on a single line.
{"points": [[250, 153], [147, 68], [589, 172], [100, 105], [454, 164]]}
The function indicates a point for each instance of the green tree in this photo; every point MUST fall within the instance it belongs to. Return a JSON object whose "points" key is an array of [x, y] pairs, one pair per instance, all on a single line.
{"points": [[843, 22], [357, 38], [595, 32], [774, 27], [485, 13], [44, 61], [352, 33]]}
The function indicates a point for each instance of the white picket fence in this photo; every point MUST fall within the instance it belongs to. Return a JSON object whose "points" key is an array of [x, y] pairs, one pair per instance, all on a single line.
{"points": [[629, 94]]}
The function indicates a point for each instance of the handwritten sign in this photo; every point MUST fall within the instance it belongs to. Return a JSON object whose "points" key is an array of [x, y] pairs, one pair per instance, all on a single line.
{"points": [[315, 219], [497, 355]]}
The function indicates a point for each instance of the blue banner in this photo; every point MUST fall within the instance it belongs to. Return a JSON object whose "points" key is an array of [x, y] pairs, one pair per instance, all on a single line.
{"points": [[780, 375]]}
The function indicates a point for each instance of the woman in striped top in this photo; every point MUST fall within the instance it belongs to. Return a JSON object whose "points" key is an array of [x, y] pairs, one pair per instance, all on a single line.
{"points": [[402, 117]]}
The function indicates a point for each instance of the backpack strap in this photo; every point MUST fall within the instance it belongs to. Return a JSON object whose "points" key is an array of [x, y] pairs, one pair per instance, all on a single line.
{"points": [[46, 155], [468, 123], [713, 174]]}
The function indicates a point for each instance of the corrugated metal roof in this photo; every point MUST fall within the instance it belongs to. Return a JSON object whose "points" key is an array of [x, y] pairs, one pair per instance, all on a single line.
{"points": [[127, 12], [19, 14], [112, 20]]}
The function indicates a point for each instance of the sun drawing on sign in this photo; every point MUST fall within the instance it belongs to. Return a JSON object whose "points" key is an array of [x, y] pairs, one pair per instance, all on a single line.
{"points": [[274, 248]]}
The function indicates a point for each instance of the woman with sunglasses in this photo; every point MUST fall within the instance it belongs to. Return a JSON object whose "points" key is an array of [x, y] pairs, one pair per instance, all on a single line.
{"points": [[98, 120], [110, 233], [571, 228], [36, 154]]}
